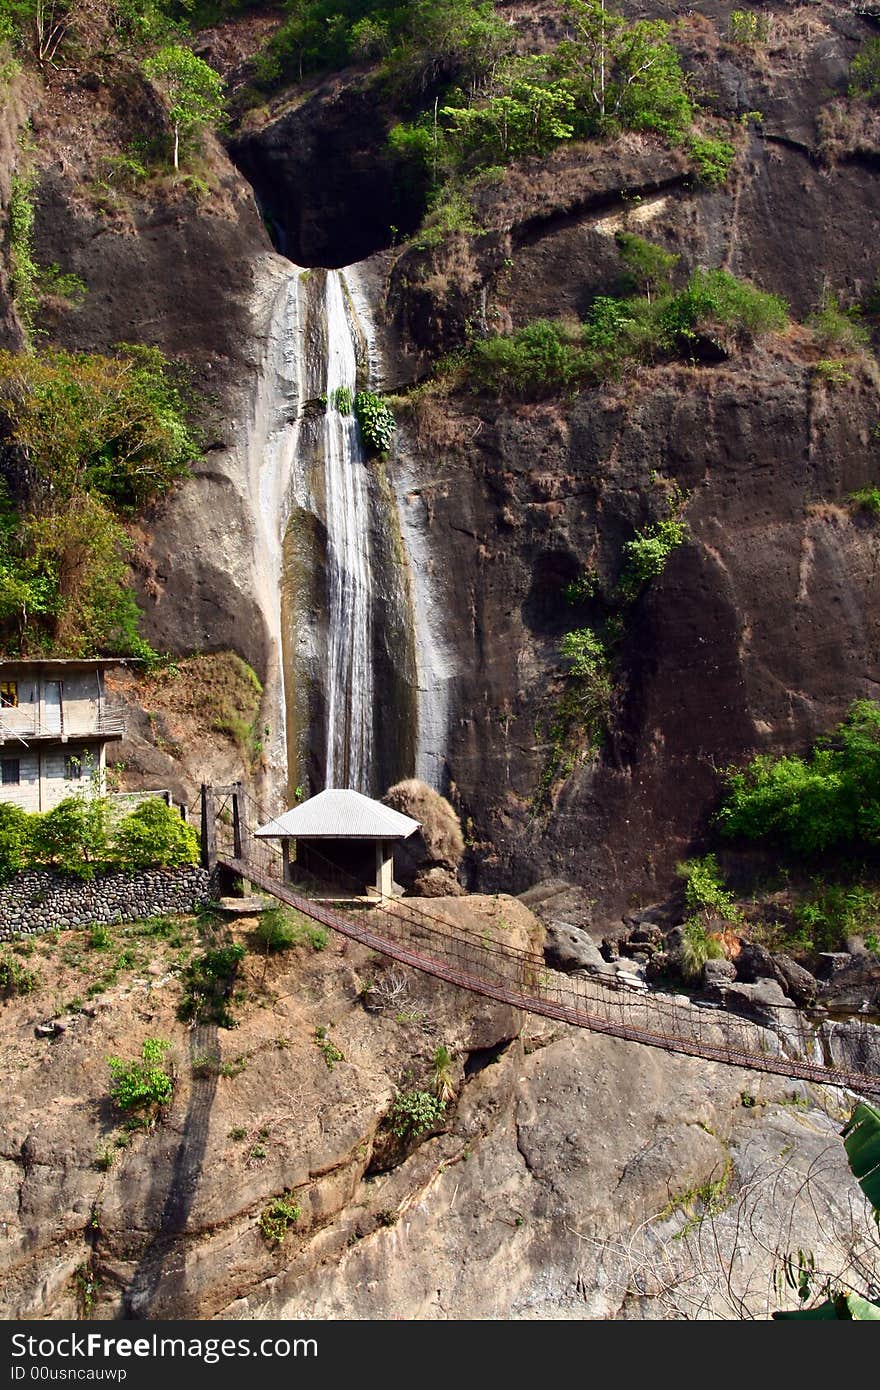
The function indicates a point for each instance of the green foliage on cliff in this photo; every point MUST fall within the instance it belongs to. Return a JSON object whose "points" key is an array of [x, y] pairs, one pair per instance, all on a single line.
{"points": [[14, 839], [85, 440], [645, 556], [865, 71], [546, 358], [424, 44], [829, 800], [415, 1112], [208, 986], [376, 421], [73, 836], [607, 74], [191, 91]]}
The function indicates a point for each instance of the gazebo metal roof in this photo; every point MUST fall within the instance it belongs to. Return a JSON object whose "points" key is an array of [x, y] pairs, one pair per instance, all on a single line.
{"points": [[339, 814]]}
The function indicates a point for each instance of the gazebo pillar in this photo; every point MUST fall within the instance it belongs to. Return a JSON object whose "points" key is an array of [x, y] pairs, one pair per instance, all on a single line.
{"points": [[385, 867]]}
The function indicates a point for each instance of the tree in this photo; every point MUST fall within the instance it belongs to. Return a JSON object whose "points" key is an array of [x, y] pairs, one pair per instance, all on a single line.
{"points": [[193, 92], [650, 267], [629, 73]]}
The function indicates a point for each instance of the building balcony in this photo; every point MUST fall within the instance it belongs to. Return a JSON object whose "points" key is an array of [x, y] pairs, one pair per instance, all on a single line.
{"points": [[29, 725]]}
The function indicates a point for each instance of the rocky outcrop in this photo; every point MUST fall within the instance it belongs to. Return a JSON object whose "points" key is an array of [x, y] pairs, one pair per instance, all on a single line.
{"points": [[562, 1158], [427, 862]]}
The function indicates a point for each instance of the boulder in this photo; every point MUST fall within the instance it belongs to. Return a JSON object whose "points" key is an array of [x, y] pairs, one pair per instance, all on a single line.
{"points": [[438, 844], [569, 948], [718, 973], [797, 982], [759, 1001], [754, 963], [850, 982]]}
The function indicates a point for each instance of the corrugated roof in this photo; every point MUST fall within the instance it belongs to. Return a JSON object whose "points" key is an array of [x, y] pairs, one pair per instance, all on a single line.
{"points": [[340, 814]]}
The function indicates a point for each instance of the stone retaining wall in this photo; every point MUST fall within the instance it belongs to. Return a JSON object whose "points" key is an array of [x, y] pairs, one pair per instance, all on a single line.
{"points": [[40, 899]]}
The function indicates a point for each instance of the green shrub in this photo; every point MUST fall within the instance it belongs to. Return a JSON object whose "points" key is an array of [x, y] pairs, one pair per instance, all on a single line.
{"points": [[154, 836], [376, 421], [586, 651], [838, 328], [414, 1112], [748, 28], [23, 266], [279, 929], [451, 215], [74, 836], [542, 359], [704, 887], [100, 937], [865, 71], [837, 911], [536, 360], [713, 159], [142, 1085], [832, 370], [649, 266], [327, 1048], [867, 499], [583, 588], [87, 438], [208, 985], [829, 800], [646, 555], [15, 978], [15, 839], [277, 1218], [717, 297]]}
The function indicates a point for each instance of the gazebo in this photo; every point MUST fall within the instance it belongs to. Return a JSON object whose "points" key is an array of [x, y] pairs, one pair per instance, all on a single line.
{"points": [[343, 839]]}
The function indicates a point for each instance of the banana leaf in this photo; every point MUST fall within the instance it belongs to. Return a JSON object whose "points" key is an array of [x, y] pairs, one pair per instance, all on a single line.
{"points": [[861, 1136], [842, 1307]]}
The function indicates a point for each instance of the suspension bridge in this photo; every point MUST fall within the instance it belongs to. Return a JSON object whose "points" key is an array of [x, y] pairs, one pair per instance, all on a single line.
{"points": [[775, 1038]]}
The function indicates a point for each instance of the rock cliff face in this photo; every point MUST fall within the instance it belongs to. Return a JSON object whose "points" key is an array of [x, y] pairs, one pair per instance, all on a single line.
{"points": [[570, 1176]]}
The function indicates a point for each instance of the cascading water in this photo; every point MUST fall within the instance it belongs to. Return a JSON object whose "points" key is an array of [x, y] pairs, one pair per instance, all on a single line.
{"points": [[349, 574], [273, 440], [340, 564]]}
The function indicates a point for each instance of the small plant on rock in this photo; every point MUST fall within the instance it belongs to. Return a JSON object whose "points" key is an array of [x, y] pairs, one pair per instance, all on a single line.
{"points": [[277, 1218], [415, 1112], [376, 420], [441, 1073], [141, 1086], [327, 1048]]}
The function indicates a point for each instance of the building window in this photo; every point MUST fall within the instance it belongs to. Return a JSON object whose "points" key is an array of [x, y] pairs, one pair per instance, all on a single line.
{"points": [[73, 767], [11, 772], [8, 694]]}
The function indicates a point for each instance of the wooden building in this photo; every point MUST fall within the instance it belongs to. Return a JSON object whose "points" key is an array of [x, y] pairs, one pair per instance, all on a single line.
{"points": [[342, 840]]}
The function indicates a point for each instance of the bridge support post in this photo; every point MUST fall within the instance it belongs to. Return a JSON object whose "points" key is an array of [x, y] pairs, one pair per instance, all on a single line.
{"points": [[209, 828], [240, 834]]}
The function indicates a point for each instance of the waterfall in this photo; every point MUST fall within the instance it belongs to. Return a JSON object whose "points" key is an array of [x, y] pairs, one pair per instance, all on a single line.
{"points": [[272, 449], [349, 576], [343, 564]]}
